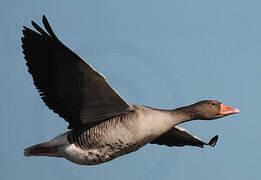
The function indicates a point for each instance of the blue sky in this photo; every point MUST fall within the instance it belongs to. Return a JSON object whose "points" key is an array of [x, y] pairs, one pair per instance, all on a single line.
{"points": [[163, 54]]}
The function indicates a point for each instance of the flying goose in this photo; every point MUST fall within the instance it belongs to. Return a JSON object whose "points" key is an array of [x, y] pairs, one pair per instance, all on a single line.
{"points": [[102, 125]]}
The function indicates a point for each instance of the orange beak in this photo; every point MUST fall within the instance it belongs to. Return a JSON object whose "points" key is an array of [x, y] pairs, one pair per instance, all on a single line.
{"points": [[225, 110]]}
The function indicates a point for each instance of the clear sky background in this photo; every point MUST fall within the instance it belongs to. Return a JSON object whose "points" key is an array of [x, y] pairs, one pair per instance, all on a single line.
{"points": [[163, 54]]}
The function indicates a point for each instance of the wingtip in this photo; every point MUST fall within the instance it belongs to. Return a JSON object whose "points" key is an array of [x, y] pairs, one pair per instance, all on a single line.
{"points": [[24, 31], [33, 23], [213, 141], [48, 27], [25, 28], [44, 18], [45, 22]]}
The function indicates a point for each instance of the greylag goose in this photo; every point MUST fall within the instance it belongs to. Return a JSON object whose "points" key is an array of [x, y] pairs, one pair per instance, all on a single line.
{"points": [[102, 125]]}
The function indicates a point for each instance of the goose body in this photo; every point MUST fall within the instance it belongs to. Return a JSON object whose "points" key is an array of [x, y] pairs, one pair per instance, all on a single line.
{"points": [[112, 138], [100, 142], [103, 126]]}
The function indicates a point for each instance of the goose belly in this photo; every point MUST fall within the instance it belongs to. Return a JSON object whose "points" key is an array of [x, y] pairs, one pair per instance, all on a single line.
{"points": [[102, 142], [93, 156]]}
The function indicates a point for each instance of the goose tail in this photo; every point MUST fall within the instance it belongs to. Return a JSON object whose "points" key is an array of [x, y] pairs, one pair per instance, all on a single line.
{"points": [[43, 149], [50, 148]]}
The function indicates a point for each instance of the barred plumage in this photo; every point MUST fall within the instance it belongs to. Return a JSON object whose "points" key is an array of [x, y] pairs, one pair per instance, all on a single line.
{"points": [[90, 135]]}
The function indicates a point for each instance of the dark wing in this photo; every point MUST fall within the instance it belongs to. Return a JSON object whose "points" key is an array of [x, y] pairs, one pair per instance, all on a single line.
{"points": [[178, 136], [67, 84]]}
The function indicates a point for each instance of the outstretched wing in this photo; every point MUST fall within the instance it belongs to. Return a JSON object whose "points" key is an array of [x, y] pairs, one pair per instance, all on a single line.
{"points": [[66, 83], [178, 136]]}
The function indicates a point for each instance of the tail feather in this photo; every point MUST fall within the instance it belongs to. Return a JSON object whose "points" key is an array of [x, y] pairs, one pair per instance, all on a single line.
{"points": [[43, 149], [50, 148]]}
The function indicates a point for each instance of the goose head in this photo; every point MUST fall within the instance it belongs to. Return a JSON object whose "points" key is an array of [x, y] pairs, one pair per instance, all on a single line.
{"points": [[210, 109]]}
